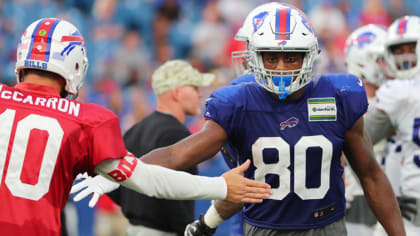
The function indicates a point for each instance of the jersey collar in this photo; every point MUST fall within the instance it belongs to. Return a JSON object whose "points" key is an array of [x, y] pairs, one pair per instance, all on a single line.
{"points": [[38, 89]]}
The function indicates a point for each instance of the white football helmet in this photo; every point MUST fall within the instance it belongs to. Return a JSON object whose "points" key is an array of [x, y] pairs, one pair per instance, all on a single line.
{"points": [[285, 29], [57, 46], [364, 50], [403, 30], [251, 23]]}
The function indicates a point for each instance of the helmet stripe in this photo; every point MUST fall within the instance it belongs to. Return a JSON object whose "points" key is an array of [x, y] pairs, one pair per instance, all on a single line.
{"points": [[288, 24], [41, 40], [54, 24], [33, 39], [277, 24], [283, 24], [402, 26]]}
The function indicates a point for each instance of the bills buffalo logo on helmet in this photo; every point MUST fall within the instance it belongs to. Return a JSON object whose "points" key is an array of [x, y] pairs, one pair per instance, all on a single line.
{"points": [[258, 20]]}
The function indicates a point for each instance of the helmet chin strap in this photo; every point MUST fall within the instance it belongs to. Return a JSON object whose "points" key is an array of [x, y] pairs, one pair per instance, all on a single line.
{"points": [[282, 82]]}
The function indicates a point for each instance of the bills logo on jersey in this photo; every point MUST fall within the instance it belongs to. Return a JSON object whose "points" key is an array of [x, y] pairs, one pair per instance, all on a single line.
{"points": [[289, 123], [258, 20]]}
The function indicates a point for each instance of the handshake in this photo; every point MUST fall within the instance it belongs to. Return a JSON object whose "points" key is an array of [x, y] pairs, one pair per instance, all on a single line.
{"points": [[160, 182], [98, 185]]}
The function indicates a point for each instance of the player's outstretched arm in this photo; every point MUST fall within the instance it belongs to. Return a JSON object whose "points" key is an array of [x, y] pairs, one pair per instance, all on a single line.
{"points": [[160, 182], [191, 150], [378, 191]]}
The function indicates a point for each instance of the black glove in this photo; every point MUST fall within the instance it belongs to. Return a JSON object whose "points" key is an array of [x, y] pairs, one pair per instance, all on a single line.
{"points": [[198, 228]]}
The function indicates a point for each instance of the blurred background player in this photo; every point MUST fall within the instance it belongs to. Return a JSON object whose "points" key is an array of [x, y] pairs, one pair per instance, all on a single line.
{"points": [[48, 139], [397, 108], [364, 51], [176, 85]]}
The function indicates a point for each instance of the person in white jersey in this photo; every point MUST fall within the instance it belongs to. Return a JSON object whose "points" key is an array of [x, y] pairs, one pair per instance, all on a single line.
{"points": [[398, 107], [364, 52]]}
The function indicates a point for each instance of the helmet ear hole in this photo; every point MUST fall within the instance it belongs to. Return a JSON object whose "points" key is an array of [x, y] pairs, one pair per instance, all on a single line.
{"points": [[76, 67]]}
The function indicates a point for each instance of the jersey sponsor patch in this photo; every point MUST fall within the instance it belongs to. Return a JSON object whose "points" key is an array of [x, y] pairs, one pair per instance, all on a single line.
{"points": [[322, 109]]}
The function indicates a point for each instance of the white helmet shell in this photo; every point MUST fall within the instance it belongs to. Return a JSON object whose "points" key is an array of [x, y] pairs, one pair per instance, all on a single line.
{"points": [[403, 30], [57, 46], [285, 29], [252, 22], [364, 50]]}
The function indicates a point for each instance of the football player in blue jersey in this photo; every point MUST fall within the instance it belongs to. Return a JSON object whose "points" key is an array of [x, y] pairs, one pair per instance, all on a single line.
{"points": [[293, 128]]}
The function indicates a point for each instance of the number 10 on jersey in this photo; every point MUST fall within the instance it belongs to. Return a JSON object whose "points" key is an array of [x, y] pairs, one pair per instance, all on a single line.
{"points": [[18, 152]]}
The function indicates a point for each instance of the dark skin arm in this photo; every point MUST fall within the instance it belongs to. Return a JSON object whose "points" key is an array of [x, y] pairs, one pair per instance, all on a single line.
{"points": [[193, 150], [190, 151], [377, 189], [202, 146], [227, 209]]}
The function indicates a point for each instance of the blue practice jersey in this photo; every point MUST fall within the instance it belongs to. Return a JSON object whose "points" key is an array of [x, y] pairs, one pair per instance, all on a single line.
{"points": [[246, 78], [294, 146], [229, 153]]}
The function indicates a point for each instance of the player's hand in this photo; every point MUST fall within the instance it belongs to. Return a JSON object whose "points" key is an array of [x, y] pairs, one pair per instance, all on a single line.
{"points": [[97, 186], [241, 189], [198, 228]]}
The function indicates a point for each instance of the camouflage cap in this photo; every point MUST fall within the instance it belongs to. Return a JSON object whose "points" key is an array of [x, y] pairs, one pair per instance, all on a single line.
{"points": [[177, 73]]}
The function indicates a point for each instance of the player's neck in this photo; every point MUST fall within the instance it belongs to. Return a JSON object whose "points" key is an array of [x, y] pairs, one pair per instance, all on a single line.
{"points": [[58, 85], [172, 109], [370, 90]]}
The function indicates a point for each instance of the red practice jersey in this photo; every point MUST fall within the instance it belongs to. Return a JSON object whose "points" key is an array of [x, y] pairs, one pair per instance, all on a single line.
{"points": [[45, 141]]}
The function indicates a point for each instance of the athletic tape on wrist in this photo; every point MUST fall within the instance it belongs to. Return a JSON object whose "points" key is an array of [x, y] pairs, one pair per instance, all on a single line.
{"points": [[212, 217]]}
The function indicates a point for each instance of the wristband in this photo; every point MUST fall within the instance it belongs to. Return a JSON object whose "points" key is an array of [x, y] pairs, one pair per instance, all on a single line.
{"points": [[212, 218]]}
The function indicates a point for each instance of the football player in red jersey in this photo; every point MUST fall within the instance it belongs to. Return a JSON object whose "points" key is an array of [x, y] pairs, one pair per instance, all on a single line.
{"points": [[47, 139]]}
